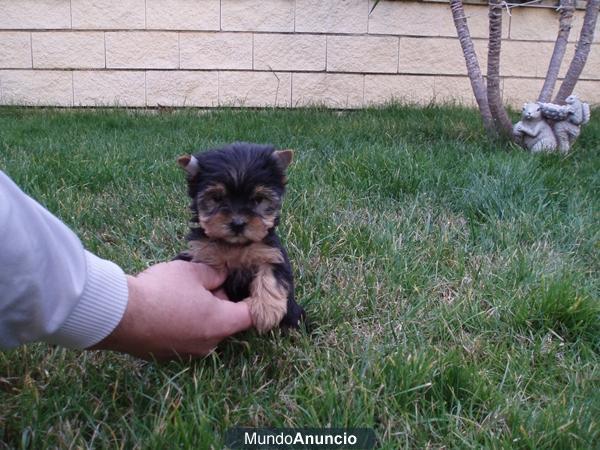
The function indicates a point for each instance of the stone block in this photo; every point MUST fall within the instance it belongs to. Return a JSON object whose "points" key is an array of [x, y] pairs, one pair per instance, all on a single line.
{"points": [[142, 49], [535, 24], [362, 54], [327, 89], [537, 54], [109, 14], [215, 50], [477, 19], [257, 15], [541, 24], [517, 91], [15, 50], [405, 89], [528, 59], [589, 91], [24, 14], [289, 52], [453, 90], [109, 88], [182, 88], [409, 18], [255, 89], [68, 49], [591, 70], [592, 66], [36, 88], [339, 16], [183, 14], [437, 56]]}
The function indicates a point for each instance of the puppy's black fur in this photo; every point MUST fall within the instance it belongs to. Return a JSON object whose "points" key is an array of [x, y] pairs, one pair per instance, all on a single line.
{"points": [[236, 193]]}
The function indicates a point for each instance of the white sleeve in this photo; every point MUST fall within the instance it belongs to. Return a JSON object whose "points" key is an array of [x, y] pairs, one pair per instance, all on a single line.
{"points": [[51, 288]]}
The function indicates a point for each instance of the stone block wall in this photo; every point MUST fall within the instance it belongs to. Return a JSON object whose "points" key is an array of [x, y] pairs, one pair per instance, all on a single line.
{"points": [[284, 53]]}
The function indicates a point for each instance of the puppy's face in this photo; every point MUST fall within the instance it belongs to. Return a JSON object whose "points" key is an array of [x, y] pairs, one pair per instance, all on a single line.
{"points": [[237, 216], [237, 191]]}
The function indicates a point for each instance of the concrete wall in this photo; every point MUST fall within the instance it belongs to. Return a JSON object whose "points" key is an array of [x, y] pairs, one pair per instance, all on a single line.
{"points": [[263, 53]]}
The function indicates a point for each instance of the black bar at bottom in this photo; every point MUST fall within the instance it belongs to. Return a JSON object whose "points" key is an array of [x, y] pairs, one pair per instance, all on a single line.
{"points": [[242, 438]]}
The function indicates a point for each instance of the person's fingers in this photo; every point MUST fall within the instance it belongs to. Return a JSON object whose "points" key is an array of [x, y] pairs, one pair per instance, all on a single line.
{"points": [[231, 318], [209, 277]]}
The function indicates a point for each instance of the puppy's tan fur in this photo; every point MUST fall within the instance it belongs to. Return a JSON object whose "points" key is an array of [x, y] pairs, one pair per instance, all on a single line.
{"points": [[268, 298], [223, 256], [267, 301]]}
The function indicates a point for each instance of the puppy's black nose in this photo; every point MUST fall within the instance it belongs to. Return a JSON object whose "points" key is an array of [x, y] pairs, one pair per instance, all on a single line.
{"points": [[237, 225]]}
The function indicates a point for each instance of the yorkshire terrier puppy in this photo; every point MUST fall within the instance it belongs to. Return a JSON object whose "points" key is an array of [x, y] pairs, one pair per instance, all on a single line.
{"points": [[237, 193]]}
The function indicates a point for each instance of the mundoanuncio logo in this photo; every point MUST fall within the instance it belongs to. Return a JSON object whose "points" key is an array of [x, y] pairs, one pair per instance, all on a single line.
{"points": [[300, 438]]}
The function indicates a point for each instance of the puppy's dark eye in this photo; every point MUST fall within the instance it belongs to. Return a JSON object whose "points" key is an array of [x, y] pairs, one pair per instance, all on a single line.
{"points": [[215, 197], [258, 199], [211, 200]]}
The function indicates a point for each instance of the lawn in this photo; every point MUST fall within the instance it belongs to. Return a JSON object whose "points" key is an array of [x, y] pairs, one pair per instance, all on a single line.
{"points": [[452, 282]]}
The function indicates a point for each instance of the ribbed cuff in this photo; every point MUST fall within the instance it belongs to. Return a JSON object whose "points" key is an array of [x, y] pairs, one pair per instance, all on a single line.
{"points": [[100, 308]]}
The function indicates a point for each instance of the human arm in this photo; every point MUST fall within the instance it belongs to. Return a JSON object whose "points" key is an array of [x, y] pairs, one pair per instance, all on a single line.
{"points": [[53, 290]]}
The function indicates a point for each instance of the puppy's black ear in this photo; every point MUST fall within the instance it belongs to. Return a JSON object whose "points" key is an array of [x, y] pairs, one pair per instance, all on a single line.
{"points": [[189, 163], [284, 157]]}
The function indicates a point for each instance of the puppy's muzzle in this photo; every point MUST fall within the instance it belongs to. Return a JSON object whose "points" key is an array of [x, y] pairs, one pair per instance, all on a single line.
{"points": [[237, 225]]}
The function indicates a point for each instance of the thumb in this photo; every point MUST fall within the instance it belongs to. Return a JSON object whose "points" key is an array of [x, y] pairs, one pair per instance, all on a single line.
{"points": [[232, 318], [210, 278]]}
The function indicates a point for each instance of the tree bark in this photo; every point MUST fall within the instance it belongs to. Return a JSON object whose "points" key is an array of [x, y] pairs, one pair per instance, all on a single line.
{"points": [[581, 53], [502, 122], [473, 70], [567, 7]]}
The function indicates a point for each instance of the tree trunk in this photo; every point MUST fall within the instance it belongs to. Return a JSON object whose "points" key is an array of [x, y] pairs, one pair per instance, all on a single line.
{"points": [[473, 70], [567, 7], [501, 120], [581, 53]]}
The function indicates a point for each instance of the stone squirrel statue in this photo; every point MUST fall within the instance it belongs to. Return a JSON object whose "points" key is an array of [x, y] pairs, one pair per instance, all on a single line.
{"points": [[564, 122], [533, 131], [568, 120]]}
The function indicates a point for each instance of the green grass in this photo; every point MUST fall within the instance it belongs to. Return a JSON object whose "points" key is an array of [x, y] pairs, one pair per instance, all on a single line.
{"points": [[453, 282]]}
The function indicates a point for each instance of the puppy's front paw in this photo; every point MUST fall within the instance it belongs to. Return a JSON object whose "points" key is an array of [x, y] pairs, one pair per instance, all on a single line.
{"points": [[265, 315], [294, 316]]}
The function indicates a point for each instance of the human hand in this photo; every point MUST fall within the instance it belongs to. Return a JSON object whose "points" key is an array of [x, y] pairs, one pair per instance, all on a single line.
{"points": [[171, 313]]}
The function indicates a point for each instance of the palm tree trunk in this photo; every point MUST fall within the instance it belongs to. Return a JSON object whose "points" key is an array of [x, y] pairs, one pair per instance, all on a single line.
{"points": [[501, 120], [473, 70], [567, 7], [581, 53]]}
